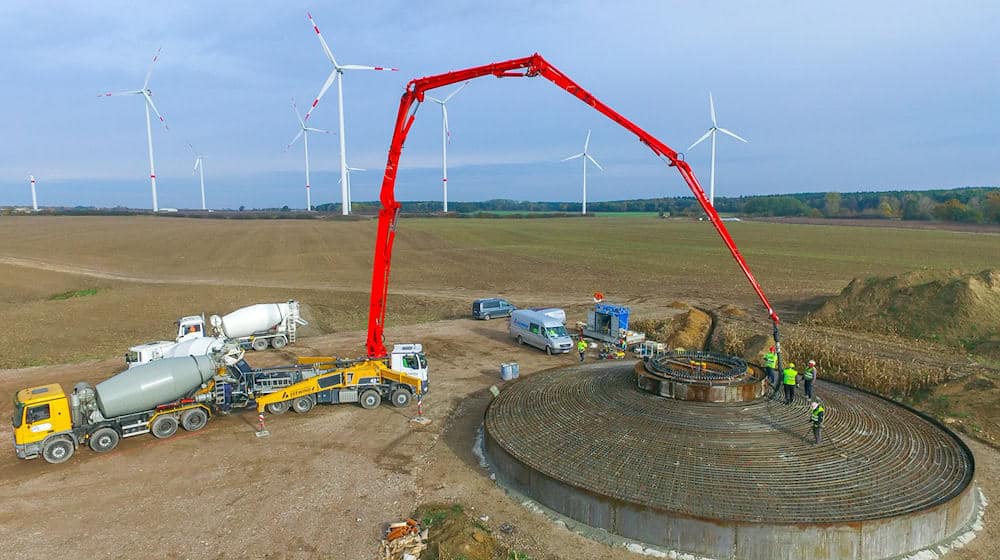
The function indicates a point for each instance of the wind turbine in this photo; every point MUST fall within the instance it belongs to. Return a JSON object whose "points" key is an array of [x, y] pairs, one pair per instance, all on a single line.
{"points": [[34, 201], [199, 167], [147, 94], [304, 134], [585, 155], [338, 70], [712, 132], [349, 170], [445, 138]]}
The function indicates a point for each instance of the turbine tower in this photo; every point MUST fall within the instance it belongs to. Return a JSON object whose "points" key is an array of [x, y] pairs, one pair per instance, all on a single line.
{"points": [[585, 155], [712, 132], [34, 200], [304, 134], [349, 171], [338, 70], [445, 139], [147, 95], [199, 167]]}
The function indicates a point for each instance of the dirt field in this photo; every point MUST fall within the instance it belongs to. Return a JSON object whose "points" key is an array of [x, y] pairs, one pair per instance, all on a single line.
{"points": [[323, 484]]}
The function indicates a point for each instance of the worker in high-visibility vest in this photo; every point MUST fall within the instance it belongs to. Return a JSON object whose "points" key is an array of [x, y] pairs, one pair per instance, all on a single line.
{"points": [[817, 414], [581, 347], [790, 378], [771, 367], [808, 376]]}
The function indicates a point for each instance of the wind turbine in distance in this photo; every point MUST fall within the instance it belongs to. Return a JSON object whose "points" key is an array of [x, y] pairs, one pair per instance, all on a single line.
{"points": [[712, 132], [147, 94], [445, 139], [349, 170], [34, 201], [304, 134], [585, 155], [338, 70], [199, 167]]}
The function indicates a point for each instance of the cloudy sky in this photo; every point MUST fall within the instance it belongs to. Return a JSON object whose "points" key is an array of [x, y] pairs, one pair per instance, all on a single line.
{"points": [[832, 96]]}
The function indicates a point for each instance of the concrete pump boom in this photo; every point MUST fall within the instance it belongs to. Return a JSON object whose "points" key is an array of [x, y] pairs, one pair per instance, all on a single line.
{"points": [[529, 67]]}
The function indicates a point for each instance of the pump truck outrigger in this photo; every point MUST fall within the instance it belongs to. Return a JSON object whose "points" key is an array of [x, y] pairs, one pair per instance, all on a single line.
{"points": [[31, 432]]}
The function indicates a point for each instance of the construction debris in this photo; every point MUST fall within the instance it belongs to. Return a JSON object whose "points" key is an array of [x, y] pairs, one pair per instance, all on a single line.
{"points": [[403, 541]]}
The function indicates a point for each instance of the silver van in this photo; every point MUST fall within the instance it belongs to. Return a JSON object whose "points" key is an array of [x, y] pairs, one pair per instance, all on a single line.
{"points": [[491, 307], [540, 330]]}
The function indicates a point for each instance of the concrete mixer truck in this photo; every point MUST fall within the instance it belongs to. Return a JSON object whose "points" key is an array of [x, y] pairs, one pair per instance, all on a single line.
{"points": [[185, 392]]}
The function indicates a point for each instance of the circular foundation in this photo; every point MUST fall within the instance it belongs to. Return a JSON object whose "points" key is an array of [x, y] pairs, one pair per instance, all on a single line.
{"points": [[739, 480]]}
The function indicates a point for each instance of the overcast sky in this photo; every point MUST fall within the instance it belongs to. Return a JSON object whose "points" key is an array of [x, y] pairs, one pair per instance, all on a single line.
{"points": [[832, 96]]}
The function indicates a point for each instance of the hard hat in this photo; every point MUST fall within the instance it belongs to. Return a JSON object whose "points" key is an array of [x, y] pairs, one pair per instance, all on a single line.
{"points": [[791, 364], [772, 349], [814, 405], [812, 362]]}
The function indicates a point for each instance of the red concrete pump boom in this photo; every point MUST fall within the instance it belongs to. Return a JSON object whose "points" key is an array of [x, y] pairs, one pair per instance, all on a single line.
{"points": [[529, 67]]}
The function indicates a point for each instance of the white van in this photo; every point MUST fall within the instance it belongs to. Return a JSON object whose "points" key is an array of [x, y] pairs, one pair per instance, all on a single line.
{"points": [[540, 330]]}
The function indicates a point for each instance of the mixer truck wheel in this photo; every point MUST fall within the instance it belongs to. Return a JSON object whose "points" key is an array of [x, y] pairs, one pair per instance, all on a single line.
{"points": [[104, 440], [370, 399], [57, 450], [278, 407], [259, 344], [302, 405], [164, 426], [400, 398], [194, 419], [279, 342]]}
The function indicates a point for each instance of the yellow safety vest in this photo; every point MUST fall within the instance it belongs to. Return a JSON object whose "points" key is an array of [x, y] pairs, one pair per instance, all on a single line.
{"points": [[770, 360], [790, 375], [581, 346], [816, 414]]}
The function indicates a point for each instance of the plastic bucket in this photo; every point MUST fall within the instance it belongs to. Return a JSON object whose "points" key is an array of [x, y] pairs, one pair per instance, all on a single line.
{"points": [[515, 369], [507, 371]]}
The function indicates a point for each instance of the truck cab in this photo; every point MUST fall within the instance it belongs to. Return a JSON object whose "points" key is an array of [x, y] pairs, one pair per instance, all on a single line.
{"points": [[143, 353], [410, 359], [192, 326], [42, 423]]}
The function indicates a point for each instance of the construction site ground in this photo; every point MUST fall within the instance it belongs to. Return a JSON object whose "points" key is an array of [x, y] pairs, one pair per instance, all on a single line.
{"points": [[323, 485]]}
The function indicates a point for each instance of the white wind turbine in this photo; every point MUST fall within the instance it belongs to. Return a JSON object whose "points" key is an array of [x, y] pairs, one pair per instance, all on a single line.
{"points": [[349, 199], [338, 70], [711, 132], [304, 134], [34, 201], [445, 138], [585, 155], [199, 167], [147, 94]]}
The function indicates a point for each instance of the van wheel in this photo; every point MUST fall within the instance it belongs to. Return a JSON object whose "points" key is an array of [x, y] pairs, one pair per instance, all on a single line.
{"points": [[370, 399], [194, 419], [164, 427], [520, 340], [58, 450], [486, 317], [400, 398], [279, 342], [302, 405], [548, 350], [259, 344], [104, 440]]}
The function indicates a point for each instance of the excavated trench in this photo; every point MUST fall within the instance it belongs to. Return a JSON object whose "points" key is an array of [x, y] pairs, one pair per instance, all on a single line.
{"points": [[734, 478]]}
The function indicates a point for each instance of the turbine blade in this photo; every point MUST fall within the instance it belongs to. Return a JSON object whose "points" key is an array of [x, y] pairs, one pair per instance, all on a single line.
{"points": [[594, 161], [320, 130], [153, 107], [110, 93], [711, 108], [192, 150], [356, 169], [295, 108], [360, 67], [700, 140], [156, 56], [444, 115], [322, 41], [326, 85], [197, 162], [734, 135], [573, 157], [434, 99], [294, 140], [586, 144], [452, 94]]}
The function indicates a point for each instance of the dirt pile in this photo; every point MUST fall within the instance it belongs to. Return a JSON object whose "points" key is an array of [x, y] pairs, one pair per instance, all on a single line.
{"points": [[960, 310], [454, 535], [689, 330]]}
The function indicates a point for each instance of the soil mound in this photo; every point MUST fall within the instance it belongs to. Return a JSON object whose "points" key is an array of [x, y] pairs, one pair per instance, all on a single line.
{"points": [[961, 310], [689, 330]]}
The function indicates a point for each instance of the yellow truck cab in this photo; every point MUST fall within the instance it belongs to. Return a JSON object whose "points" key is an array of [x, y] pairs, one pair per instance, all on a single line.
{"points": [[43, 424]]}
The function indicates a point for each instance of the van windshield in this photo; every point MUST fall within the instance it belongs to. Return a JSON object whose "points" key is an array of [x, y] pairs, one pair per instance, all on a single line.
{"points": [[556, 332], [18, 413]]}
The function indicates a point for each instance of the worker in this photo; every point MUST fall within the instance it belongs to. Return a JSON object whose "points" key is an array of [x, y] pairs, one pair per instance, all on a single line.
{"points": [[808, 377], [771, 367], [581, 347], [818, 412], [790, 377]]}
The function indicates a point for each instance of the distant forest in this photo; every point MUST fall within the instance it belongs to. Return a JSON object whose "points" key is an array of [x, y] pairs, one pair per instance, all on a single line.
{"points": [[978, 205]]}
